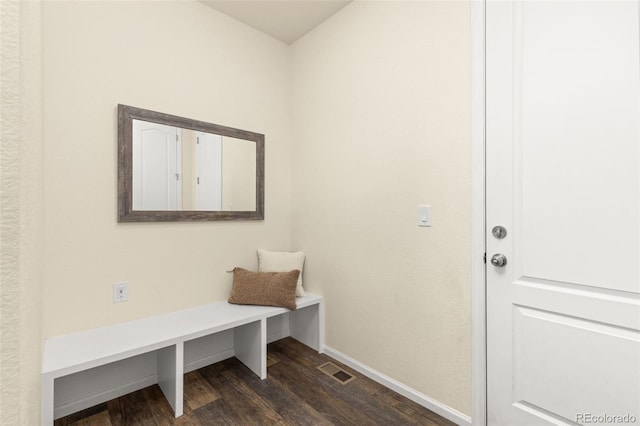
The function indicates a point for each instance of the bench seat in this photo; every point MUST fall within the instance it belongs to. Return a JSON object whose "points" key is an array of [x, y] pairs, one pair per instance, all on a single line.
{"points": [[166, 334]]}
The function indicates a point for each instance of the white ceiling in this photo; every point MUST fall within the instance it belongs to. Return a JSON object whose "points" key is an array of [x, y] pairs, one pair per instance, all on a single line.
{"points": [[286, 20]]}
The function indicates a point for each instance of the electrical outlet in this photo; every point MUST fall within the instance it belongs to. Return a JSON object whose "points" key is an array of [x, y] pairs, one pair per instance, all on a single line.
{"points": [[120, 292]]}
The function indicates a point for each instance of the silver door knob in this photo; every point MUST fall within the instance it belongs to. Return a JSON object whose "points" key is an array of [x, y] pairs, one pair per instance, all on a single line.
{"points": [[498, 260]]}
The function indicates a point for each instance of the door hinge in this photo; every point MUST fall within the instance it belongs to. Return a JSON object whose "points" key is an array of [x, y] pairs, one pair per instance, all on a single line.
{"points": [[177, 138], [485, 258], [177, 176], [198, 179]]}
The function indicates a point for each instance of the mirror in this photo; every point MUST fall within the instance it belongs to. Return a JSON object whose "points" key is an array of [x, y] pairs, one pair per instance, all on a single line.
{"points": [[172, 168]]}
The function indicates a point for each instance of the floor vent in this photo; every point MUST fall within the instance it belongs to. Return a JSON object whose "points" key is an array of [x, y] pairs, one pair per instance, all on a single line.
{"points": [[337, 373]]}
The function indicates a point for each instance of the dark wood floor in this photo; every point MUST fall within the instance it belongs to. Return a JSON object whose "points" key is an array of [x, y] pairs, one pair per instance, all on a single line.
{"points": [[295, 393]]}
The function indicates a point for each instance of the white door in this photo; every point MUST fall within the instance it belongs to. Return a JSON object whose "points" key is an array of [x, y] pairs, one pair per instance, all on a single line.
{"points": [[157, 160], [209, 165], [562, 161]]}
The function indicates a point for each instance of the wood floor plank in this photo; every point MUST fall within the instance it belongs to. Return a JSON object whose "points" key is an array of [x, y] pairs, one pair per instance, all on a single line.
{"points": [[318, 391], [412, 412], [218, 412], [100, 419], [241, 398], [291, 409], [272, 360], [115, 411], [294, 393], [162, 412], [297, 352], [75, 418], [135, 410], [197, 391]]}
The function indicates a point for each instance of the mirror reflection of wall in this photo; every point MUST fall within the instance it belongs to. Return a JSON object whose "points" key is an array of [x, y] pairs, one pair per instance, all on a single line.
{"points": [[182, 169], [238, 174]]}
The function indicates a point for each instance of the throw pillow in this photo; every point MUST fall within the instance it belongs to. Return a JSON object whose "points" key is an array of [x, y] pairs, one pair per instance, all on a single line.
{"points": [[279, 261], [264, 288]]}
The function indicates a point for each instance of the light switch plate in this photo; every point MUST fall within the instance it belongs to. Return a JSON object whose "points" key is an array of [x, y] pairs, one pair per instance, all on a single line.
{"points": [[424, 216]]}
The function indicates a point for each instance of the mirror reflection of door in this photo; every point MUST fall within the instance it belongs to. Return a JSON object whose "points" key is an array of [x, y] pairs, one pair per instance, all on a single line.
{"points": [[157, 166], [179, 169], [209, 172]]}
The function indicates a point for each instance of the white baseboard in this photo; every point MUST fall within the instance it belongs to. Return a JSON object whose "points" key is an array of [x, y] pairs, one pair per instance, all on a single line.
{"points": [[280, 334], [436, 406], [203, 362]]}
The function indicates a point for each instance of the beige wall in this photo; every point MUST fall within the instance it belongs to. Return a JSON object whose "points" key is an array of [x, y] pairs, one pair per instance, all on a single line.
{"points": [[99, 54], [381, 115], [21, 203], [380, 120]]}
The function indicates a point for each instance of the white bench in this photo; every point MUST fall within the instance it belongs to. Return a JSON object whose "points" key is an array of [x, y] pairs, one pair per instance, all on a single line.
{"points": [[166, 334]]}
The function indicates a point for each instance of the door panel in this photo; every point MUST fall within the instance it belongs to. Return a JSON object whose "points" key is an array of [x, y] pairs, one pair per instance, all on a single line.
{"points": [[578, 82], [546, 343], [562, 153], [157, 167]]}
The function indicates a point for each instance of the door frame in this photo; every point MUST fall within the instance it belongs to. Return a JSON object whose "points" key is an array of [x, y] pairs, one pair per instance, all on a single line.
{"points": [[478, 218]]}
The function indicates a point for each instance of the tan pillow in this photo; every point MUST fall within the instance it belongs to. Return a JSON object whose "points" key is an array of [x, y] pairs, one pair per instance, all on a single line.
{"points": [[264, 288], [281, 261]]}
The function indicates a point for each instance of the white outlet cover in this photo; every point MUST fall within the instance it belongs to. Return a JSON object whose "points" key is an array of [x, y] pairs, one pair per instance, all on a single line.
{"points": [[120, 292]]}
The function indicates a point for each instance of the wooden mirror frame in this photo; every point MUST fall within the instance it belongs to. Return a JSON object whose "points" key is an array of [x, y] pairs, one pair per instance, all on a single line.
{"points": [[125, 168]]}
